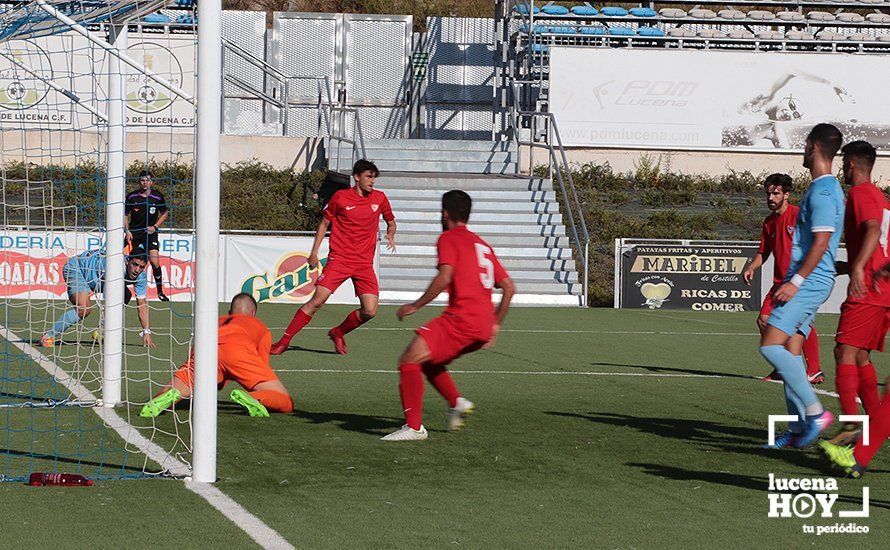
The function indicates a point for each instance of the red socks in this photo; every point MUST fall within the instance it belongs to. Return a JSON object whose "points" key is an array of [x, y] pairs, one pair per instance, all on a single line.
{"points": [[411, 390], [352, 322], [299, 321], [868, 388], [811, 352], [847, 383], [879, 429], [274, 401], [441, 380]]}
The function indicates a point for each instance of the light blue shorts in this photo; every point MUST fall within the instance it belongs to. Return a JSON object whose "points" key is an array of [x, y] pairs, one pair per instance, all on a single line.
{"points": [[797, 315], [74, 278]]}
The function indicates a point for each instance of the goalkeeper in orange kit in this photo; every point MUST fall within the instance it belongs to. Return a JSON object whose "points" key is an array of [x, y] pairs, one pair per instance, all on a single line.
{"points": [[244, 343]]}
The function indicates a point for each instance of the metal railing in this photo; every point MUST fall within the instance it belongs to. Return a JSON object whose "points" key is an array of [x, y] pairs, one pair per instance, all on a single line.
{"points": [[544, 134], [332, 119]]}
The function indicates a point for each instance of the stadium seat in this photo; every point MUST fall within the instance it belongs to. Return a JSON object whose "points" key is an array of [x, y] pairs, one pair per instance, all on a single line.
{"points": [[880, 18], [185, 3], [621, 31], [702, 14], [613, 11], [672, 12], [770, 35], [540, 48], [761, 15], [584, 10], [790, 16], [156, 18], [820, 16], [711, 33], [740, 34], [555, 9], [731, 14], [831, 36], [563, 30], [539, 29], [650, 31], [595, 30], [186, 19], [798, 35], [643, 12], [850, 17], [680, 32], [524, 9], [860, 37]]}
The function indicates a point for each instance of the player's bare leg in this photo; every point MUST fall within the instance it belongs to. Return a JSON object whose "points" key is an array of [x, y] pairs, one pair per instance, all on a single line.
{"points": [[355, 319], [302, 318], [155, 260]]}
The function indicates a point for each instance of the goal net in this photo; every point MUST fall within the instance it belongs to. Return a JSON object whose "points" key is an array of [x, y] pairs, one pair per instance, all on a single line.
{"points": [[93, 97]]}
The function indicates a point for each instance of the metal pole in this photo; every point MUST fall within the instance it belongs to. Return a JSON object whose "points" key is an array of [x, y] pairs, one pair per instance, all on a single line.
{"points": [[207, 240], [113, 292]]}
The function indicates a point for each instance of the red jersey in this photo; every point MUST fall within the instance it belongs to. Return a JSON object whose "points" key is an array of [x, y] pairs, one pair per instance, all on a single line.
{"points": [[476, 271], [776, 238], [354, 224], [866, 202]]}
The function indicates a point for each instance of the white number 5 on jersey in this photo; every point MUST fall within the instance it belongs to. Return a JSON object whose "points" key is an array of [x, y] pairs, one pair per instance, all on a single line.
{"points": [[485, 263]]}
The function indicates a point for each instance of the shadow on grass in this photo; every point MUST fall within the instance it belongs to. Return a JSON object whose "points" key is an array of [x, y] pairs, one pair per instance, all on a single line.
{"points": [[670, 370], [312, 350], [742, 481], [56, 459], [367, 424]]}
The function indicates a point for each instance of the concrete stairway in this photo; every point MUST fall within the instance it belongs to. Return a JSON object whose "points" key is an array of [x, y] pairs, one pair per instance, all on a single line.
{"points": [[517, 215]]}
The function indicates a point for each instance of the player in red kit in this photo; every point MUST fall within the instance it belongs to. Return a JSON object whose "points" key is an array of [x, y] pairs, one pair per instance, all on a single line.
{"points": [[776, 238], [354, 216], [855, 459], [468, 270], [865, 315]]}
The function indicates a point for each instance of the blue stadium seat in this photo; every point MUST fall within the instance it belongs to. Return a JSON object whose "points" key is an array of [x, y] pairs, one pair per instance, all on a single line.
{"points": [[650, 31], [186, 19], [555, 9], [621, 31], [539, 29], [524, 9], [584, 10], [156, 18], [540, 48], [596, 31], [563, 30], [614, 11], [643, 12], [185, 3]]}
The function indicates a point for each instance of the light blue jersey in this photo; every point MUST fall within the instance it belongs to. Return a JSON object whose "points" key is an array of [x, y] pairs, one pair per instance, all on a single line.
{"points": [[821, 210], [86, 272]]}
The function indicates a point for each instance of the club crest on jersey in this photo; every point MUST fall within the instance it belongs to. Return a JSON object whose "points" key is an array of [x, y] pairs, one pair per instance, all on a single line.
{"points": [[790, 230], [374, 207]]}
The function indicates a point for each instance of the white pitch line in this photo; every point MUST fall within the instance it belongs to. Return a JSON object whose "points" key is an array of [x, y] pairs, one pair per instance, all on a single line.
{"points": [[516, 372], [261, 533]]}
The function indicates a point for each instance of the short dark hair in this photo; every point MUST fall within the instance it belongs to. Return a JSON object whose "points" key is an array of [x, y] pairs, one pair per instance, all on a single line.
{"points": [[779, 180], [458, 205], [144, 174], [827, 137], [861, 150], [243, 296], [363, 165], [138, 256]]}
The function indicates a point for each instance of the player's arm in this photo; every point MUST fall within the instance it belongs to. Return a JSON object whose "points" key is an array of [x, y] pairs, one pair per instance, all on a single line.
{"points": [[390, 220], [857, 288], [753, 266], [162, 218], [437, 286], [141, 288], [814, 255], [127, 234], [319, 238], [509, 290]]}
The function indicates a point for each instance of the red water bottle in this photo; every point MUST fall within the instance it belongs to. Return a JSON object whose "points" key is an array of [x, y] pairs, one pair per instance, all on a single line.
{"points": [[64, 480]]}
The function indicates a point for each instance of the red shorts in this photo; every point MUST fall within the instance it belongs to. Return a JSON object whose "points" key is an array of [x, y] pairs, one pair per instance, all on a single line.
{"points": [[768, 303], [364, 279], [448, 338], [863, 326], [235, 363]]}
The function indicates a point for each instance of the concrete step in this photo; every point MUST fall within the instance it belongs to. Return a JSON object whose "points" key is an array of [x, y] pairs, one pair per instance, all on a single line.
{"points": [[511, 195], [497, 241], [447, 166], [502, 252], [468, 183], [530, 276], [380, 155], [518, 207], [419, 284], [437, 145], [514, 218], [510, 264], [484, 230], [521, 299]]}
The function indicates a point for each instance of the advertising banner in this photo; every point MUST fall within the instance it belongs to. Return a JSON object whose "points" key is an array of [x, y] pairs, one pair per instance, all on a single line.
{"points": [[695, 277], [715, 99]]}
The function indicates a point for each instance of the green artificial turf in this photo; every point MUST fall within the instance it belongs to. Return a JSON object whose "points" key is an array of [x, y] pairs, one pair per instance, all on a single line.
{"points": [[595, 428]]}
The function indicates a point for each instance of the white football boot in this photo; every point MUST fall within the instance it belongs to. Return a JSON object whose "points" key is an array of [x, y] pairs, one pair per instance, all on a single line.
{"points": [[406, 433], [457, 416]]}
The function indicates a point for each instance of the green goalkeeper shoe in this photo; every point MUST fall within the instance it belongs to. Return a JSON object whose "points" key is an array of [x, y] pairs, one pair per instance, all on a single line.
{"points": [[160, 403], [254, 407], [842, 457]]}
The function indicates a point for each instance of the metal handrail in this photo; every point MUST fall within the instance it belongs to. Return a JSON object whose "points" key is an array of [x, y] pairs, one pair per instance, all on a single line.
{"points": [[557, 159]]}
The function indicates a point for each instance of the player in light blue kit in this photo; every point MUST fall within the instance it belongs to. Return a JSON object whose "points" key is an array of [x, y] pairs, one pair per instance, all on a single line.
{"points": [[85, 274], [808, 283]]}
